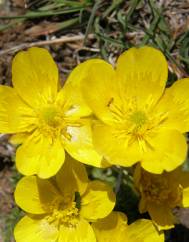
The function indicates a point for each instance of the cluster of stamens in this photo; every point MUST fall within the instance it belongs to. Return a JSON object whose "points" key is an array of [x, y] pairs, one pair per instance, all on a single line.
{"points": [[63, 213], [53, 123], [157, 189], [135, 124]]}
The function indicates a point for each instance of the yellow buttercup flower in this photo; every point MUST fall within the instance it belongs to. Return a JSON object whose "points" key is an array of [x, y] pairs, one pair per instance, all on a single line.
{"points": [[161, 193], [61, 209], [139, 119], [114, 228], [47, 121]]}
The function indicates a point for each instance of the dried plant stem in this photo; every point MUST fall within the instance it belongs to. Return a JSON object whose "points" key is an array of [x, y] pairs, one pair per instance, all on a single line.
{"points": [[64, 39]]}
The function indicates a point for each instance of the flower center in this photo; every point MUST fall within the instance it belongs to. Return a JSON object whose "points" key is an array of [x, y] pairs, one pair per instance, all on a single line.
{"points": [[64, 212], [133, 123], [51, 116], [156, 189], [53, 122], [138, 118]]}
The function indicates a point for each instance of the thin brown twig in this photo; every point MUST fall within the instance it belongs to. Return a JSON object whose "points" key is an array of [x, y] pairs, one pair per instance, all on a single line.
{"points": [[64, 39]]}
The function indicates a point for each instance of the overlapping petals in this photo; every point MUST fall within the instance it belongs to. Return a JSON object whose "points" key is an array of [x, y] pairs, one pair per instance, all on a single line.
{"points": [[161, 193], [138, 118], [62, 209], [46, 121], [114, 228]]}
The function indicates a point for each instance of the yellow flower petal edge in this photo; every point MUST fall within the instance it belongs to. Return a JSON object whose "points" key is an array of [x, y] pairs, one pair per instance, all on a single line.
{"points": [[114, 228], [75, 173], [38, 156], [111, 228], [32, 194], [135, 119], [175, 101], [12, 109], [92, 207], [144, 230], [142, 72], [35, 230], [35, 76], [83, 232], [81, 146], [169, 151], [62, 207], [185, 200]]}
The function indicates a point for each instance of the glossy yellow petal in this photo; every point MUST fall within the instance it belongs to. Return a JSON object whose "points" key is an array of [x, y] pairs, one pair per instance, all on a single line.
{"points": [[72, 177], [142, 205], [71, 96], [166, 227], [34, 195], [100, 89], [35, 230], [161, 214], [168, 151], [180, 176], [143, 230], [185, 199], [35, 76], [98, 201], [38, 156], [15, 115], [114, 147], [142, 74], [80, 72], [71, 100], [137, 175], [19, 138], [175, 105], [111, 228], [80, 146], [83, 232]]}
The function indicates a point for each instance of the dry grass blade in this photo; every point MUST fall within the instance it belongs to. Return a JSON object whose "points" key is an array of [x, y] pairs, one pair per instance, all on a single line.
{"points": [[64, 39]]}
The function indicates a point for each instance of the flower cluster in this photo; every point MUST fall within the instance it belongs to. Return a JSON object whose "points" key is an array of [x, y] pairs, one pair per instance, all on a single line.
{"points": [[102, 116]]}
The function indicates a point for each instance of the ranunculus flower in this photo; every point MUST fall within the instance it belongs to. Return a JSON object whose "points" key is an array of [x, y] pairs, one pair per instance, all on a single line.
{"points": [[139, 119], [60, 209], [45, 119]]}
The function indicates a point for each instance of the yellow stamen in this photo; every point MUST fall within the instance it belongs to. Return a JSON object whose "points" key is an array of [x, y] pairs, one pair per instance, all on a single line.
{"points": [[157, 189], [53, 122], [51, 116], [64, 212]]}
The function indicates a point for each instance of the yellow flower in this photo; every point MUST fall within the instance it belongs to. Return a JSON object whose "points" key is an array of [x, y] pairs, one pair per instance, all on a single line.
{"points": [[61, 209], [47, 121], [114, 228], [139, 120], [161, 193]]}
